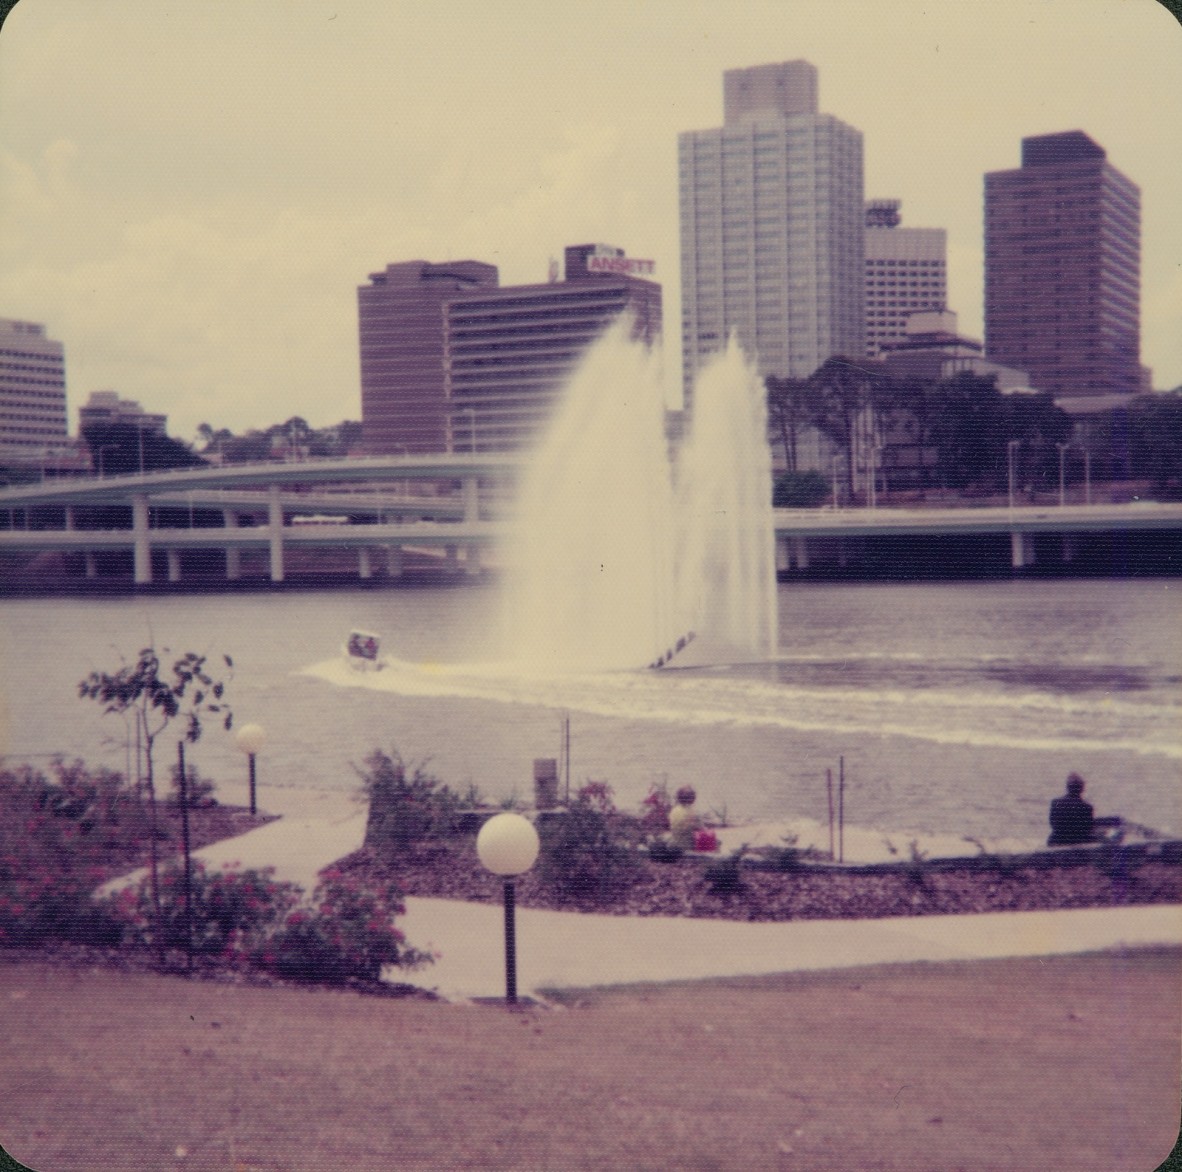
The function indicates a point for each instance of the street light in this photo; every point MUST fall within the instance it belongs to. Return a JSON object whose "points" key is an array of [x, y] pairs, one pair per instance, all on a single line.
{"points": [[250, 739], [1011, 448], [508, 845]]}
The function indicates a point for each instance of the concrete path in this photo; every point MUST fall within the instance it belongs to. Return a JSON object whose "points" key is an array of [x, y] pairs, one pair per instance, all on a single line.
{"points": [[560, 949], [555, 949]]}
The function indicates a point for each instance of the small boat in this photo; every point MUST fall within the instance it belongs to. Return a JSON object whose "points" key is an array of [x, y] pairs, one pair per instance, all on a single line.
{"points": [[362, 650]]}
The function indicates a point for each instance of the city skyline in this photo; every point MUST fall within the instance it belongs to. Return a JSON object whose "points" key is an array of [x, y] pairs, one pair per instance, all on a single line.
{"points": [[190, 214]]}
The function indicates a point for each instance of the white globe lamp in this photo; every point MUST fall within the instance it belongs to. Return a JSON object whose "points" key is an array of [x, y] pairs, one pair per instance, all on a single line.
{"points": [[250, 739], [508, 846]]}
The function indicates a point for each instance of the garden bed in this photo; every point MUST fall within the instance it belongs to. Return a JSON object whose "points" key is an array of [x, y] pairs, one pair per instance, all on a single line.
{"points": [[695, 887]]}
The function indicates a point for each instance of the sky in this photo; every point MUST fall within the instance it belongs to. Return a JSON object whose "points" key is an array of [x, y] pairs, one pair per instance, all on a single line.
{"points": [[190, 194]]}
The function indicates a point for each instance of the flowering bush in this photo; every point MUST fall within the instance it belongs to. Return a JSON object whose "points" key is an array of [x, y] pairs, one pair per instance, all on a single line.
{"points": [[248, 919], [654, 810], [347, 934], [54, 832], [229, 910], [706, 840]]}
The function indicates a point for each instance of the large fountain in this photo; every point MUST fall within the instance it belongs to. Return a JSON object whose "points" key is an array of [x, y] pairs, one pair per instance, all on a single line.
{"points": [[624, 553]]}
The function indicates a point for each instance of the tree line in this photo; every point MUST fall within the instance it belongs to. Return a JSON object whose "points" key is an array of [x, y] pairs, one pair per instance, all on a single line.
{"points": [[963, 434]]}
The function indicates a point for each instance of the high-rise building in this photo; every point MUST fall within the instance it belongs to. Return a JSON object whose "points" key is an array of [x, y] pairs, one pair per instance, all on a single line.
{"points": [[1062, 268], [906, 273], [450, 360], [400, 323], [32, 390], [107, 407], [510, 350], [772, 228]]}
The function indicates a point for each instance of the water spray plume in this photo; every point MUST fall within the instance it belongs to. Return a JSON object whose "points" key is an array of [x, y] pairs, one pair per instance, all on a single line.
{"points": [[621, 554]]}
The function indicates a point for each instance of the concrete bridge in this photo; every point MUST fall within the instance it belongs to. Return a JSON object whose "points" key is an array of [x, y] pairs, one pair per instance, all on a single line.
{"points": [[382, 506]]}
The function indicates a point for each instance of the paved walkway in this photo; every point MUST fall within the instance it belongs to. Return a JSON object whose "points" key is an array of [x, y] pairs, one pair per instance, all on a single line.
{"points": [[567, 949]]}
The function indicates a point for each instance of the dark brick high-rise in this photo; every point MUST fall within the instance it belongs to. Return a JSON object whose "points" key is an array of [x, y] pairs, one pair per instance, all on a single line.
{"points": [[1062, 268]]}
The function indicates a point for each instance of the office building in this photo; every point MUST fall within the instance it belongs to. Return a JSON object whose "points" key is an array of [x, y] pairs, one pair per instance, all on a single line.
{"points": [[510, 350], [32, 391], [400, 325], [105, 407], [906, 273], [1062, 268], [933, 350], [772, 228], [453, 361]]}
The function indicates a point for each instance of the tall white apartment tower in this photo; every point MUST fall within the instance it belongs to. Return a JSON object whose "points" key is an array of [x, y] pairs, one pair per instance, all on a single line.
{"points": [[772, 227]]}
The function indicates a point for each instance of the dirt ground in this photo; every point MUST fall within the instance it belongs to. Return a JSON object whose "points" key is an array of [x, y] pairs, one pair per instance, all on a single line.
{"points": [[1068, 1062]]}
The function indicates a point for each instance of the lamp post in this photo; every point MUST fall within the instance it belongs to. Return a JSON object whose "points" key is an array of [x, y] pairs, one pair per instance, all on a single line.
{"points": [[1011, 448], [250, 739], [508, 846]]}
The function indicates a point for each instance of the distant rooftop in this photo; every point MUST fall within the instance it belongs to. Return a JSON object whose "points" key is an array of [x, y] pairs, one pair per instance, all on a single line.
{"points": [[1049, 150]]}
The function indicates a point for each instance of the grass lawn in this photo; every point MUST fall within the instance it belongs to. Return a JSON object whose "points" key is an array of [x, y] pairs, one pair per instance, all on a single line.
{"points": [[1067, 1062]]}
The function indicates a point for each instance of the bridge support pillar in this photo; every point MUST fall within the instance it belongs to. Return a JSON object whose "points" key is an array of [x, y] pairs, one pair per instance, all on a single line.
{"points": [[394, 561], [174, 565], [1070, 547], [783, 558], [143, 548], [800, 552], [275, 521], [1021, 550], [233, 553], [364, 564], [452, 559], [90, 561], [69, 511]]}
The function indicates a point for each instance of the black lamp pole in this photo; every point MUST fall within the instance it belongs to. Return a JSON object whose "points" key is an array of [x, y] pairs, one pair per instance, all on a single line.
{"points": [[510, 943], [251, 756]]}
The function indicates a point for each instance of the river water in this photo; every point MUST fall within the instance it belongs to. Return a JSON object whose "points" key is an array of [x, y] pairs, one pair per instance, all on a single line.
{"points": [[955, 708]]}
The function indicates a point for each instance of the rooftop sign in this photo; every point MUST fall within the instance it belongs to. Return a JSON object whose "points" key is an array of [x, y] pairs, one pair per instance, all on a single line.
{"points": [[620, 264]]}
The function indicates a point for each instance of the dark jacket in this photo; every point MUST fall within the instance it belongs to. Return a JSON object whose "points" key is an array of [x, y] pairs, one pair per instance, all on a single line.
{"points": [[1071, 821]]}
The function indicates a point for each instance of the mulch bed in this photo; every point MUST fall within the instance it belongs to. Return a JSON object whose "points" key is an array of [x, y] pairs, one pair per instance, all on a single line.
{"points": [[207, 825], [451, 870]]}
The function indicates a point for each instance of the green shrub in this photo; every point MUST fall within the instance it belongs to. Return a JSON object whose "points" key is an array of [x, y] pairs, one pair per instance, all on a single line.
{"points": [[725, 876], [406, 811], [588, 853]]}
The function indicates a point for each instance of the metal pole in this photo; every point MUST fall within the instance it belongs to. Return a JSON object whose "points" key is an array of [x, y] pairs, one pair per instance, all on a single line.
{"points": [[252, 801], [829, 791], [186, 851], [510, 944], [841, 810]]}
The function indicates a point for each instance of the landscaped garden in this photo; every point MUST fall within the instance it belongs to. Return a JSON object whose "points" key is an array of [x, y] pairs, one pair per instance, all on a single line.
{"points": [[66, 832]]}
